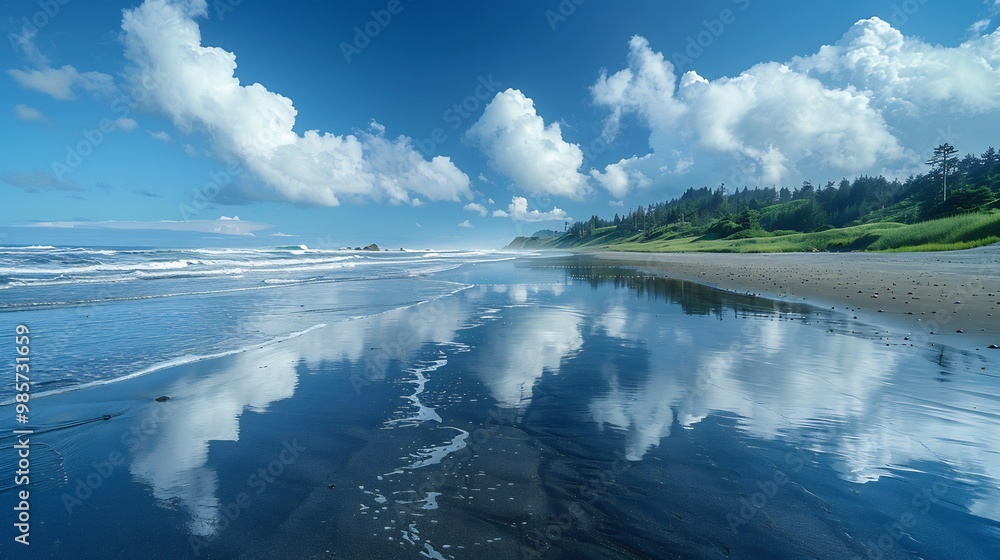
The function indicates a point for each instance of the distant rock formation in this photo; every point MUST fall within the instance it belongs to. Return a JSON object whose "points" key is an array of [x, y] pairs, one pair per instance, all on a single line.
{"points": [[523, 243], [372, 247]]}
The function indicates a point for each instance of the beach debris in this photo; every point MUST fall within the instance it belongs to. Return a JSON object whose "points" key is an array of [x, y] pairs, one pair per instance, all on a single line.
{"points": [[162, 399], [331, 486]]}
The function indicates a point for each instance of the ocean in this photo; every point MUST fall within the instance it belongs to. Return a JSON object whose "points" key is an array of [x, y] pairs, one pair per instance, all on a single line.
{"points": [[111, 313], [292, 403]]}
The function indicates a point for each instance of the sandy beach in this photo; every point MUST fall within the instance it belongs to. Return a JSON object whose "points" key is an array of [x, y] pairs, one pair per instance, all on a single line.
{"points": [[954, 295]]}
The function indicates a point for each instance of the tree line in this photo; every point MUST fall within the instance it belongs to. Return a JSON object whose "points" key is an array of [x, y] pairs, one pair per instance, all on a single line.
{"points": [[973, 184]]}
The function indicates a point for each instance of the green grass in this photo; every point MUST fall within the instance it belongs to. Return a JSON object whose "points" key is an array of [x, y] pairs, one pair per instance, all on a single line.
{"points": [[945, 234], [957, 246], [965, 231]]}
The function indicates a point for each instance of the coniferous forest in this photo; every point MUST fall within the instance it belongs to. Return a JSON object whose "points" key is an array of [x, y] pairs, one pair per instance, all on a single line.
{"points": [[732, 214]]}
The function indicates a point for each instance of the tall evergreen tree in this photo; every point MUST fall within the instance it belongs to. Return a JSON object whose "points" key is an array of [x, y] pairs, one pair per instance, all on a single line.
{"points": [[942, 161]]}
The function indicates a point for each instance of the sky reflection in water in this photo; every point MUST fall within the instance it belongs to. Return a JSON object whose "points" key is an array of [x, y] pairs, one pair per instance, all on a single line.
{"points": [[615, 364]]}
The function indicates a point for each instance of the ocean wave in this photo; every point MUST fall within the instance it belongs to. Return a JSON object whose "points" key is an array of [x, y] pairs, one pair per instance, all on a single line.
{"points": [[107, 267], [272, 266], [181, 360], [284, 281], [21, 306], [201, 264]]}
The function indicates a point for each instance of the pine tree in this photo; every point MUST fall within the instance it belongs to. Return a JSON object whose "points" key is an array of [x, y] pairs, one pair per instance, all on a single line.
{"points": [[942, 160]]}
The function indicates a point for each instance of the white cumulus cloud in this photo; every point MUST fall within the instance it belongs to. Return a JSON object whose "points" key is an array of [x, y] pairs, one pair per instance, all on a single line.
{"points": [[978, 27], [519, 145], [476, 207], [518, 211], [907, 72], [196, 86], [61, 83], [465, 224], [768, 122], [619, 178]]}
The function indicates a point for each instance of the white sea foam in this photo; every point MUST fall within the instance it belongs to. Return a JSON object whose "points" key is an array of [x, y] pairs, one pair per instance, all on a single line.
{"points": [[434, 455], [107, 267], [171, 363], [69, 266], [430, 552], [423, 413]]}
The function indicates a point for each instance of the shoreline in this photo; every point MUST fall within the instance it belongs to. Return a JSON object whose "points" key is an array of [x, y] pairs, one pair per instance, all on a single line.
{"points": [[917, 293], [353, 404]]}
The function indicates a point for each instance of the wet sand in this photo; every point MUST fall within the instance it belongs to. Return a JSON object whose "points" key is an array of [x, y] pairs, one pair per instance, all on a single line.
{"points": [[611, 444], [915, 294]]}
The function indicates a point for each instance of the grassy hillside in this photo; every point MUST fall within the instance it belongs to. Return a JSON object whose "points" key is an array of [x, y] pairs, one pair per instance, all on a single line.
{"points": [[866, 214], [956, 232]]}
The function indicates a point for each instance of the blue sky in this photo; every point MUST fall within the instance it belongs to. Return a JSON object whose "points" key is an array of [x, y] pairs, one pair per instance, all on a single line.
{"points": [[455, 124]]}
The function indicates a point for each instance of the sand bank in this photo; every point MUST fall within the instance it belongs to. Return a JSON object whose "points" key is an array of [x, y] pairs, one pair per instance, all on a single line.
{"points": [[954, 295]]}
